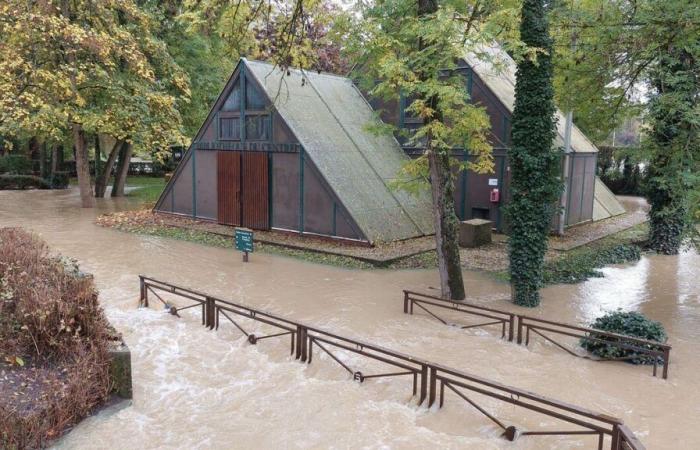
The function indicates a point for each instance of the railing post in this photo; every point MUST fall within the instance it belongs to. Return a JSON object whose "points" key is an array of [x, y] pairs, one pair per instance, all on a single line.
{"points": [[520, 330], [433, 380], [423, 384], [615, 444], [405, 302], [209, 313], [667, 355], [511, 325], [143, 296]]}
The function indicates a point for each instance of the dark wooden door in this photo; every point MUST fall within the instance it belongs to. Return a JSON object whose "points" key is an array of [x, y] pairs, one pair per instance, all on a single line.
{"points": [[228, 179], [255, 190]]}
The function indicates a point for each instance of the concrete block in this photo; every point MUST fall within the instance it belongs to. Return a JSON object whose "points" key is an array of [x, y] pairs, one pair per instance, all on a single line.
{"points": [[474, 233], [120, 369]]}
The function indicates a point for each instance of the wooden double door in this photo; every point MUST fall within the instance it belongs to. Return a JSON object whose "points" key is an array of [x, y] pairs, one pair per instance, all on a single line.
{"points": [[243, 189]]}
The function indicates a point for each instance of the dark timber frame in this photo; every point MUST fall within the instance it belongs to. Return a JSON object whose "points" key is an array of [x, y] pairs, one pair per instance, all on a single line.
{"points": [[426, 375]]}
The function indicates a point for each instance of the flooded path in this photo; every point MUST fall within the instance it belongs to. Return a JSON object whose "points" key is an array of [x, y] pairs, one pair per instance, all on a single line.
{"points": [[198, 389]]}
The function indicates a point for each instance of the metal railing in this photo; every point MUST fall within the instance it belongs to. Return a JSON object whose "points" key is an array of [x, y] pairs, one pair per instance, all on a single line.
{"points": [[656, 350], [659, 352], [505, 319], [430, 381]]}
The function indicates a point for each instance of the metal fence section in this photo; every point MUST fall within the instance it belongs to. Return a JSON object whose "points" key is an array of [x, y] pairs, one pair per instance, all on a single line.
{"points": [[431, 382], [544, 328], [505, 319], [526, 325]]}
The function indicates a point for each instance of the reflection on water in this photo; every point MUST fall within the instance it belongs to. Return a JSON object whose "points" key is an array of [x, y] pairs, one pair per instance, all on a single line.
{"points": [[209, 390], [621, 288]]}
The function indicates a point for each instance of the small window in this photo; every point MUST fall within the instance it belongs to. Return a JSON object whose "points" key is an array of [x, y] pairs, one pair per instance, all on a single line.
{"points": [[230, 128], [253, 99], [257, 128]]}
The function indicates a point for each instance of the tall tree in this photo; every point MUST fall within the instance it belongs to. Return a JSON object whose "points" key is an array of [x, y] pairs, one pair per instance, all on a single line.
{"points": [[411, 48], [674, 171], [640, 57], [74, 67], [533, 160]]}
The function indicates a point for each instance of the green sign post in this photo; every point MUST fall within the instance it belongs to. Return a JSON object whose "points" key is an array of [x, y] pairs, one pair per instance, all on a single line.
{"points": [[243, 238]]}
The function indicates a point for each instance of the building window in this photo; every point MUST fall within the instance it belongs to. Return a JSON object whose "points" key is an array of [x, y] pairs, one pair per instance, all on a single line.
{"points": [[230, 128], [257, 128]]}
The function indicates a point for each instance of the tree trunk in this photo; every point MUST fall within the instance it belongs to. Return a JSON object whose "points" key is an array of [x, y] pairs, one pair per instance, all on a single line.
{"points": [[535, 164], [442, 190], [673, 136], [34, 150], [82, 166], [446, 226], [102, 180], [122, 170], [54, 159]]}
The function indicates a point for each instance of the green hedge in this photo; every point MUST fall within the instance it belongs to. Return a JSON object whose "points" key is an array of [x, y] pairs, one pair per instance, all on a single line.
{"points": [[15, 165], [23, 182], [59, 180], [583, 265], [630, 324]]}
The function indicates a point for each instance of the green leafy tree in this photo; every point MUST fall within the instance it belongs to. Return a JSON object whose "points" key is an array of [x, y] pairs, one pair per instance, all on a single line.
{"points": [[75, 68], [641, 57], [411, 48], [534, 162]]}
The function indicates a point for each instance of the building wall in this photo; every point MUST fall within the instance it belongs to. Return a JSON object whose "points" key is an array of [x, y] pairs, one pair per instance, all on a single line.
{"points": [[472, 190], [300, 199], [581, 192]]}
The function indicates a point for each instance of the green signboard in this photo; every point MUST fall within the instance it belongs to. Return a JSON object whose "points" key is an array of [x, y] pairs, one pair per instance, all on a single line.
{"points": [[244, 240]]}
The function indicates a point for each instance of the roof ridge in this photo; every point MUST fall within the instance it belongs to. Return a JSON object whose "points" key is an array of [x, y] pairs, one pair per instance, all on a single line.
{"points": [[297, 69]]}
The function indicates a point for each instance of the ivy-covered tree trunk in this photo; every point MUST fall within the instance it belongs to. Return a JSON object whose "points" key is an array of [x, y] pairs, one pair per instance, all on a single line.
{"points": [[535, 183], [674, 137], [122, 170], [442, 190], [82, 166]]}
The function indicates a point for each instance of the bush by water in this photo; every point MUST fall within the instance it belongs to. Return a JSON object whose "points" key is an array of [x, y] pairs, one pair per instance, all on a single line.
{"points": [[630, 324], [54, 360]]}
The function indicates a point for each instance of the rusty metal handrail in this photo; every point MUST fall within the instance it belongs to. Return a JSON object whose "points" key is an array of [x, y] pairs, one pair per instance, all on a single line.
{"points": [[624, 439], [539, 326], [504, 318], [426, 375], [525, 324]]}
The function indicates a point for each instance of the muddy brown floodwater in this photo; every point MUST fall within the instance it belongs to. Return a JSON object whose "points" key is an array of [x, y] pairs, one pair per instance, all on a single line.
{"points": [[199, 389]]}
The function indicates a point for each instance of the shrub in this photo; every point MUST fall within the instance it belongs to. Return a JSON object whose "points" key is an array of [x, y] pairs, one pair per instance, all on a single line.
{"points": [[53, 338], [58, 180], [22, 182], [15, 165], [630, 324], [582, 265]]}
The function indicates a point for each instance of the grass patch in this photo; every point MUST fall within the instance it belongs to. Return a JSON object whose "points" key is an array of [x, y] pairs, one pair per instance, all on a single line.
{"points": [[147, 190], [583, 262]]}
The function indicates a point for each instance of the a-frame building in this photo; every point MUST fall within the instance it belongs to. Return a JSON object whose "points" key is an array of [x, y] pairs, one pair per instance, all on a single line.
{"points": [[292, 151]]}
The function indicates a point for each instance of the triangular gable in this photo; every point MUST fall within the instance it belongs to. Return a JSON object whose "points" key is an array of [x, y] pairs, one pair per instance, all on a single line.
{"points": [[229, 101], [329, 117]]}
